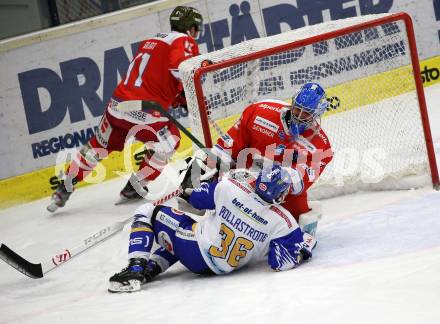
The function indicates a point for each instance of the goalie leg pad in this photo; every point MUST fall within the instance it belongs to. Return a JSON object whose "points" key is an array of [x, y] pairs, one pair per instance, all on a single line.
{"points": [[308, 222]]}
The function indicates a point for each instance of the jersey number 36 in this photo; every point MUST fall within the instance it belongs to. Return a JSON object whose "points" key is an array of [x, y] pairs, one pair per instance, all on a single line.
{"points": [[231, 250]]}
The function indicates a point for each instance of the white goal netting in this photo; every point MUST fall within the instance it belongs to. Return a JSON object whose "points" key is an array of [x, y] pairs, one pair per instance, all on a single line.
{"points": [[376, 130]]}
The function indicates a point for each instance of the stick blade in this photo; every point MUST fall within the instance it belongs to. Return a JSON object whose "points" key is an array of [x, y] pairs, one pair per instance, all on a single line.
{"points": [[33, 270]]}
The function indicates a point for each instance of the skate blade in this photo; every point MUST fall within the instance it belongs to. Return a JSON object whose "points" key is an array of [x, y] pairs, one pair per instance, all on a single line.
{"points": [[117, 287], [123, 200]]}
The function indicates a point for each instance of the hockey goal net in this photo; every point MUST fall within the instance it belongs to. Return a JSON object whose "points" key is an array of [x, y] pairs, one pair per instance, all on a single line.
{"points": [[378, 125]]}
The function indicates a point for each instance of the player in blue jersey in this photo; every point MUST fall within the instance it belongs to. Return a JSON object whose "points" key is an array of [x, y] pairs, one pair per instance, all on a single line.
{"points": [[245, 224]]}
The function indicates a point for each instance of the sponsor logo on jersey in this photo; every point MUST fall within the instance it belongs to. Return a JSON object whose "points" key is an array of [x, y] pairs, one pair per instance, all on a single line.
{"points": [[149, 45], [263, 130], [282, 214], [266, 106], [306, 144], [248, 212], [229, 142], [239, 185], [323, 137], [262, 186], [266, 124], [167, 220], [185, 234]]}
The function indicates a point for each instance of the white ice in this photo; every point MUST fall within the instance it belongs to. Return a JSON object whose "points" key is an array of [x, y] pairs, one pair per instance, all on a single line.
{"points": [[377, 261]]}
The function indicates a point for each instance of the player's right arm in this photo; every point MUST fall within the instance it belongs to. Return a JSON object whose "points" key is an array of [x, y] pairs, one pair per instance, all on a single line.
{"points": [[203, 196], [290, 246]]}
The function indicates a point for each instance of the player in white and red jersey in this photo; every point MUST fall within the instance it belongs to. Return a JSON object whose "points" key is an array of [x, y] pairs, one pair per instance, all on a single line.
{"points": [[289, 134], [153, 75], [247, 224]]}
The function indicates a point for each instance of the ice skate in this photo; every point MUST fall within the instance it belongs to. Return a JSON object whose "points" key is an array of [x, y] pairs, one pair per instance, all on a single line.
{"points": [[59, 197], [132, 192], [138, 272]]}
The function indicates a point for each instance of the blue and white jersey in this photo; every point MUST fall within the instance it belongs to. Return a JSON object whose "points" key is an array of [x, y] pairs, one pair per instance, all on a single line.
{"points": [[243, 228]]}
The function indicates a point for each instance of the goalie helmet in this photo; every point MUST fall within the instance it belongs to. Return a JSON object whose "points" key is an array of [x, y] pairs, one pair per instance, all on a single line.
{"points": [[273, 184], [183, 18], [308, 105]]}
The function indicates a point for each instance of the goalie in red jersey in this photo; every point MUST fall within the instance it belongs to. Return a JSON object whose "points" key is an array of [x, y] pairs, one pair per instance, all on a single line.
{"points": [[152, 75], [291, 135]]}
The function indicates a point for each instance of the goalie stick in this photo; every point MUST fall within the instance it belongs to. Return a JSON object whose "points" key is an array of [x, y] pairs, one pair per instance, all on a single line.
{"points": [[38, 270]]}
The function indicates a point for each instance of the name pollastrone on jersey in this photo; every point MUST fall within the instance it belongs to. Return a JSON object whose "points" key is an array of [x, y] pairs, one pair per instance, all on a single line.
{"points": [[241, 225]]}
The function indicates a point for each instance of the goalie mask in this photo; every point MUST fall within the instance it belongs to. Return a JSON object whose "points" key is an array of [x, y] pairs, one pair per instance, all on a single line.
{"points": [[183, 18], [308, 105], [273, 184]]}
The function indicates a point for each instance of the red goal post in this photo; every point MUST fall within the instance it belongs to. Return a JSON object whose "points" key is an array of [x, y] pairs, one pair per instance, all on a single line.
{"points": [[368, 65]]}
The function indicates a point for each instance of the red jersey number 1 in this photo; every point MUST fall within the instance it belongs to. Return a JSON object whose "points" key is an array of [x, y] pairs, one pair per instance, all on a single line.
{"points": [[142, 65]]}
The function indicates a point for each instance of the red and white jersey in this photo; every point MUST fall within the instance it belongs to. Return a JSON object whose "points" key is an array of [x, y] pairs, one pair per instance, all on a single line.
{"points": [[262, 132], [153, 73]]}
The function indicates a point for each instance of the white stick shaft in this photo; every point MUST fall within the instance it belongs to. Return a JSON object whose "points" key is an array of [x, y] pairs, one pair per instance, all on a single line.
{"points": [[95, 238]]}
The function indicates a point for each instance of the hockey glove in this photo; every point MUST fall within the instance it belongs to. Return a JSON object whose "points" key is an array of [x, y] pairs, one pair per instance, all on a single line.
{"points": [[180, 101], [200, 169], [307, 246]]}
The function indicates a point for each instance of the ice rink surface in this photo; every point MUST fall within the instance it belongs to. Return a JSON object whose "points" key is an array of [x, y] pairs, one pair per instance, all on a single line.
{"points": [[377, 261]]}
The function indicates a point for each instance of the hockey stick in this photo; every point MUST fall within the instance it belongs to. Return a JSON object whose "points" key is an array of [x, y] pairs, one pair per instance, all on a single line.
{"points": [[152, 105], [38, 270]]}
